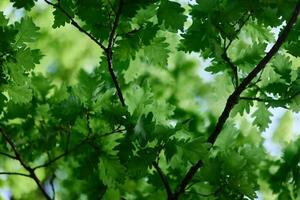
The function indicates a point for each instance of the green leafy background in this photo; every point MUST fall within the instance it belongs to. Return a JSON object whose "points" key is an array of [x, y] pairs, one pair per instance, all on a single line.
{"points": [[55, 92]]}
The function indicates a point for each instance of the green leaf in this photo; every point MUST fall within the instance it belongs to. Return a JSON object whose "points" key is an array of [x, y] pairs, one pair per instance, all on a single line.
{"points": [[283, 133], [144, 129], [88, 87], [262, 117], [241, 107], [28, 32], [19, 94], [128, 47], [27, 4], [60, 18], [28, 58], [111, 171], [194, 150], [283, 66], [2, 100], [68, 109], [228, 136], [157, 52], [3, 20], [216, 68], [171, 14]]}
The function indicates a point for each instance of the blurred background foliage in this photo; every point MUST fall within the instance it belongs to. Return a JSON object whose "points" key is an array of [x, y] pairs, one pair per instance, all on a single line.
{"points": [[182, 89]]}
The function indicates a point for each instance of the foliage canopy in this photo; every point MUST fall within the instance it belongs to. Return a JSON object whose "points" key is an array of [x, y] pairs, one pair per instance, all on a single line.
{"points": [[108, 103]]}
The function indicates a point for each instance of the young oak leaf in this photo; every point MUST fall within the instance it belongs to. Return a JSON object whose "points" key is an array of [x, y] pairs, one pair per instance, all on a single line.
{"points": [[27, 4], [262, 117], [19, 94], [60, 19], [195, 149], [283, 66], [111, 171], [171, 14], [157, 52], [3, 19], [28, 32], [28, 58]]}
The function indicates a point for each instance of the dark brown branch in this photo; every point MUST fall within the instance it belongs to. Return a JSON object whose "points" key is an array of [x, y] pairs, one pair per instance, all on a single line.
{"points": [[115, 25], [233, 98], [114, 77], [15, 173], [27, 167], [109, 53], [186, 180], [164, 180]]}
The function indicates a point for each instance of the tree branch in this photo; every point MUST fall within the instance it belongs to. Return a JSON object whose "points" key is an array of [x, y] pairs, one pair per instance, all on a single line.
{"points": [[109, 53], [115, 25], [15, 173], [163, 179], [22, 162], [233, 98]]}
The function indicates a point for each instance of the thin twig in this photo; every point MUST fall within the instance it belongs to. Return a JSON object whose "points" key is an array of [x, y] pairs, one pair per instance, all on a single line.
{"points": [[115, 25], [269, 100], [163, 179], [109, 52], [8, 155], [15, 173]]}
